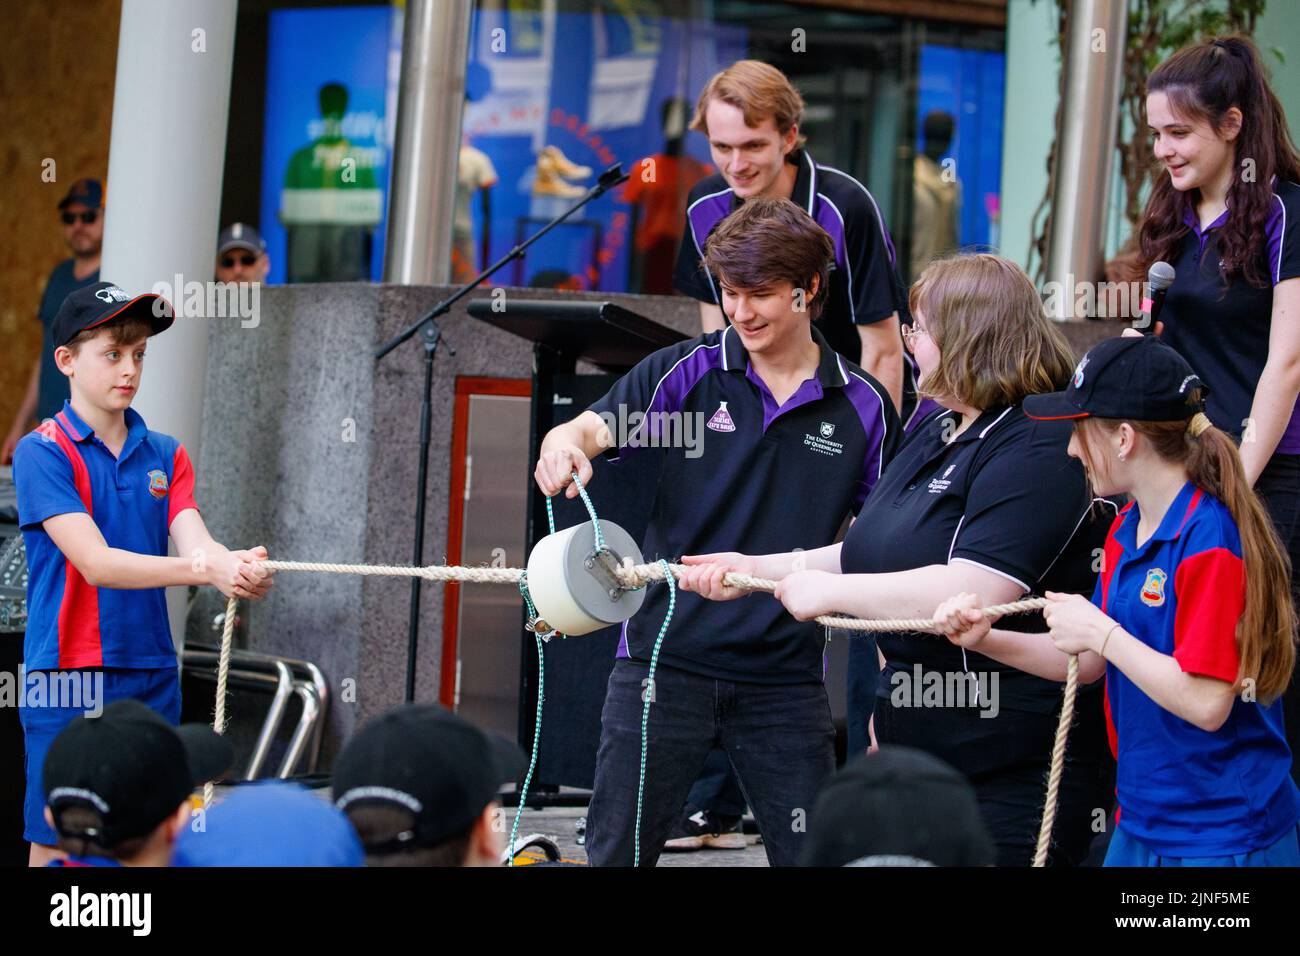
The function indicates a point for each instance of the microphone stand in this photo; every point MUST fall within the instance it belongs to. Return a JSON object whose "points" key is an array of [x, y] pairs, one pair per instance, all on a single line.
{"points": [[431, 335]]}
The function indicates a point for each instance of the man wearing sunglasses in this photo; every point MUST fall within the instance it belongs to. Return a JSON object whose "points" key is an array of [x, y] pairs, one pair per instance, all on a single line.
{"points": [[241, 254], [81, 213]]}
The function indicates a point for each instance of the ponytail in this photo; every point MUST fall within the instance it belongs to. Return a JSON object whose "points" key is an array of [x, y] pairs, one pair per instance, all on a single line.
{"points": [[1266, 632]]}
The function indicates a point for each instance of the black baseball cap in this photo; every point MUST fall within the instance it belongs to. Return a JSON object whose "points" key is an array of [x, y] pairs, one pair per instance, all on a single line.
{"points": [[97, 303], [239, 235], [130, 766], [1137, 378], [897, 807], [88, 192], [424, 759]]}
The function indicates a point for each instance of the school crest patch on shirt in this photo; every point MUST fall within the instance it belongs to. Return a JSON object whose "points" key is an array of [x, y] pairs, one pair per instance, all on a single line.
{"points": [[158, 483], [1153, 588]]}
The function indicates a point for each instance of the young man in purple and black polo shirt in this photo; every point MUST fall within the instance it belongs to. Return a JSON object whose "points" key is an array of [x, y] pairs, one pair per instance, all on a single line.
{"points": [[751, 114], [786, 420], [98, 496]]}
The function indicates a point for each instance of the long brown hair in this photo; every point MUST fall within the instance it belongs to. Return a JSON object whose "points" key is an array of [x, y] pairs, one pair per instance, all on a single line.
{"points": [[1203, 82], [996, 344], [1266, 632]]}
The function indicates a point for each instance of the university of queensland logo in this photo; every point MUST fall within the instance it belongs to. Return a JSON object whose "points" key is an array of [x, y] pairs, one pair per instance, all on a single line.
{"points": [[158, 483], [827, 429], [1153, 588]]}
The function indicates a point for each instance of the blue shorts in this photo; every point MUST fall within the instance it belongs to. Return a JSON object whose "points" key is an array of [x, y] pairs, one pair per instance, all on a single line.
{"points": [[1125, 850], [44, 717]]}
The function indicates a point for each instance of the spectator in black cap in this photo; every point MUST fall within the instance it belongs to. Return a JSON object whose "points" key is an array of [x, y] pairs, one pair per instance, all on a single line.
{"points": [[420, 786], [119, 785], [82, 214], [897, 807], [241, 255]]}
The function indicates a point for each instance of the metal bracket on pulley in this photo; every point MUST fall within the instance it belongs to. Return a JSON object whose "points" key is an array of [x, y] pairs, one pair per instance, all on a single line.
{"points": [[603, 564]]}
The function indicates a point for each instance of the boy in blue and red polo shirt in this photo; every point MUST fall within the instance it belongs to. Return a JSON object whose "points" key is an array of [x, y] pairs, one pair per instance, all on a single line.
{"points": [[98, 496]]}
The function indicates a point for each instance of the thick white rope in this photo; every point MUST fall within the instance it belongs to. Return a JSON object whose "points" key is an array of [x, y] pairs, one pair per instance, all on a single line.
{"points": [[636, 576]]}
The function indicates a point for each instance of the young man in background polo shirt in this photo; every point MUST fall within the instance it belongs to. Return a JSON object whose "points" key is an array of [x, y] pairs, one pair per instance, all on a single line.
{"points": [[98, 495], [751, 114], [786, 421]]}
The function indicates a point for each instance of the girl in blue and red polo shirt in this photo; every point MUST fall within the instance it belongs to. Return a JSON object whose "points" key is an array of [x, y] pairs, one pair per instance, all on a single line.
{"points": [[1191, 621], [1223, 211]]}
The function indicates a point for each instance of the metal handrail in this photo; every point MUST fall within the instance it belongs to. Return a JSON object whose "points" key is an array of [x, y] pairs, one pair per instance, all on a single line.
{"points": [[304, 670], [313, 691]]}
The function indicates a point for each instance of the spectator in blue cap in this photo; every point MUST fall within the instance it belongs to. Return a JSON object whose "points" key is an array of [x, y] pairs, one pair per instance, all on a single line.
{"points": [[270, 824], [241, 254]]}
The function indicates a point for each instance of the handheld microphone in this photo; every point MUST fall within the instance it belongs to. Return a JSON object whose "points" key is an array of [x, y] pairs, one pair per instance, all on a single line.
{"points": [[1159, 278]]}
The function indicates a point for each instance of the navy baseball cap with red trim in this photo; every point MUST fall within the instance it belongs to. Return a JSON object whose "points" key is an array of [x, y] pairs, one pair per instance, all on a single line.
{"points": [[98, 303], [1135, 378]]}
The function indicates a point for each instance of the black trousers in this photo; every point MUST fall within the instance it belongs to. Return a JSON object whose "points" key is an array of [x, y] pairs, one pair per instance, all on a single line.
{"points": [[1006, 759], [1279, 488], [779, 738]]}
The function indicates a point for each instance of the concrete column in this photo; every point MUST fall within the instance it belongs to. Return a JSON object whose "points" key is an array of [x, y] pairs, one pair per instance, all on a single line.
{"points": [[1093, 65], [426, 151], [170, 102]]}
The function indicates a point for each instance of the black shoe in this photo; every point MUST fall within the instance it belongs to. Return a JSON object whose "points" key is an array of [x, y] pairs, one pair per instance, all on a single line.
{"points": [[701, 829]]}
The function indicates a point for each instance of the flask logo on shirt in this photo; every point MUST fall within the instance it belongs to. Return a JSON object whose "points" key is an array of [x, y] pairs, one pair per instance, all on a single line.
{"points": [[721, 420], [158, 483], [1153, 588]]}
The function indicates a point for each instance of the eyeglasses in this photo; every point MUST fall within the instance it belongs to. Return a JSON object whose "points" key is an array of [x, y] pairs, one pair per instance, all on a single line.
{"points": [[228, 262], [911, 333], [87, 217]]}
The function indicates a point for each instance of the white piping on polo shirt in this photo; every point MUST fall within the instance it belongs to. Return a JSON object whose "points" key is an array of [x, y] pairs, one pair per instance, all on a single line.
{"points": [[952, 545], [884, 424], [1277, 270], [843, 375], [880, 220], [812, 182], [848, 266], [996, 420], [717, 300], [650, 404], [1077, 524]]}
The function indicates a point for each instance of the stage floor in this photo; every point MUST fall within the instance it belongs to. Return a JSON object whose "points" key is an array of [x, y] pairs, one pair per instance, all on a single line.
{"points": [[557, 823]]}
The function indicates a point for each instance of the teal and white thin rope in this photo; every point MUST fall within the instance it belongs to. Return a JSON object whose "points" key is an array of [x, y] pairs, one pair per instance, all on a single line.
{"points": [[645, 710]]}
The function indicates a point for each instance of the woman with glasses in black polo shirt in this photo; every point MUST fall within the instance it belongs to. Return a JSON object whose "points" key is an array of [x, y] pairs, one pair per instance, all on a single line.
{"points": [[980, 494], [1225, 212]]}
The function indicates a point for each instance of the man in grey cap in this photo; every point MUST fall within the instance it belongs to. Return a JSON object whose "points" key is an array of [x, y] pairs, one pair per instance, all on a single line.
{"points": [[82, 214], [241, 255]]}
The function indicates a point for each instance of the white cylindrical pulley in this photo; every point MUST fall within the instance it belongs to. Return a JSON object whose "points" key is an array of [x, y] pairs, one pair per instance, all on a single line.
{"points": [[571, 584]]}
